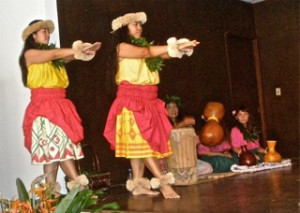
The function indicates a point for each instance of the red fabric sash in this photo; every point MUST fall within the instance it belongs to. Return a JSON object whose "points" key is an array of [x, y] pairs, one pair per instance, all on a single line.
{"points": [[149, 112], [53, 105]]}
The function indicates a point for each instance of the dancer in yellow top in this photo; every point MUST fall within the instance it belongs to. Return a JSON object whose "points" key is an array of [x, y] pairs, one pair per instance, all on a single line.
{"points": [[51, 126], [137, 126]]}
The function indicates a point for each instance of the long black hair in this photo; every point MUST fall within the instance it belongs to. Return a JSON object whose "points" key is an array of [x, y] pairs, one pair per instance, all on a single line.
{"points": [[119, 36], [179, 117], [250, 123], [29, 44]]}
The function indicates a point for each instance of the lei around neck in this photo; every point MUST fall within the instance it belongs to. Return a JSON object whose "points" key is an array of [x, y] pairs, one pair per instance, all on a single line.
{"points": [[57, 63], [248, 136], [154, 64]]}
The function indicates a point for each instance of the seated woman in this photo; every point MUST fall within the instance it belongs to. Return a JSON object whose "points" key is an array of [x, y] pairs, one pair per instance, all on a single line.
{"points": [[219, 157], [173, 104], [245, 134]]}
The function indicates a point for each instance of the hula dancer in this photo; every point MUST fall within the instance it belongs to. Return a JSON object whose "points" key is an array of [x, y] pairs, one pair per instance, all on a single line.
{"points": [[137, 126]]}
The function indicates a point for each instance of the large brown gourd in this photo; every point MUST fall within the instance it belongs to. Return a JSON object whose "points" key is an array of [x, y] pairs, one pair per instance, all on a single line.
{"points": [[212, 133]]}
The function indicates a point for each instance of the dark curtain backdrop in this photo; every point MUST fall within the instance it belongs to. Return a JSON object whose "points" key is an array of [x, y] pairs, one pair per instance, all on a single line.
{"points": [[198, 79]]}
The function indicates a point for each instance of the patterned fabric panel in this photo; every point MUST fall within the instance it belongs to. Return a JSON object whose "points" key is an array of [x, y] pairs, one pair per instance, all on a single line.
{"points": [[51, 144], [129, 141]]}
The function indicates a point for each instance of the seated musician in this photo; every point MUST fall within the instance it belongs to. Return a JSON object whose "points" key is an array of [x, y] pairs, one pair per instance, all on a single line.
{"points": [[173, 105]]}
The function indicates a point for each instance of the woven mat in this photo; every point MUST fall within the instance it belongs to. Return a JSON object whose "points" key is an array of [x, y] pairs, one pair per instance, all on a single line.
{"points": [[214, 176], [261, 166]]}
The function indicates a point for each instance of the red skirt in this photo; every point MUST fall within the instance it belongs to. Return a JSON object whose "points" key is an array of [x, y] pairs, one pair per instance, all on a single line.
{"points": [[53, 105], [149, 112]]}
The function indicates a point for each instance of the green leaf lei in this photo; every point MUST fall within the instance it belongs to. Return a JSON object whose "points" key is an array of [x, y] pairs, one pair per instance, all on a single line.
{"points": [[173, 99], [247, 135], [154, 64], [57, 63]]}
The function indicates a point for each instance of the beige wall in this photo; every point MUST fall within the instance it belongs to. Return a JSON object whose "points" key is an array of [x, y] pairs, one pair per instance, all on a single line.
{"points": [[15, 15]]}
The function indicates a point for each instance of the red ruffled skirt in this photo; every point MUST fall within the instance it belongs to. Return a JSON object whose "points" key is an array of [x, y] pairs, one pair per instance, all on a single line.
{"points": [[149, 113], [53, 105]]}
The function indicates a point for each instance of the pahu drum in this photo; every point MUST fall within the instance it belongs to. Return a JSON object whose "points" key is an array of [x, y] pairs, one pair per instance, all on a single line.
{"points": [[183, 162]]}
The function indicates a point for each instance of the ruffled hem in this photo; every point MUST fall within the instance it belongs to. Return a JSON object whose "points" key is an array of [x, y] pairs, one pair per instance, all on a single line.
{"points": [[52, 104], [149, 112]]}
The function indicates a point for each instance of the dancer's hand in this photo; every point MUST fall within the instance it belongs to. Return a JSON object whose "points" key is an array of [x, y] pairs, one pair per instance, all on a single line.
{"points": [[91, 50], [85, 51], [186, 46]]}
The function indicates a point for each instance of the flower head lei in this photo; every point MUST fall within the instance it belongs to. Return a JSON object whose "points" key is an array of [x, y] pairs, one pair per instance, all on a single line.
{"points": [[124, 20], [173, 99], [234, 112], [57, 63]]}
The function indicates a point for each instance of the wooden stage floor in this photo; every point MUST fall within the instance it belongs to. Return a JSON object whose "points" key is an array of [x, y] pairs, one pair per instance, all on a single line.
{"points": [[275, 191]]}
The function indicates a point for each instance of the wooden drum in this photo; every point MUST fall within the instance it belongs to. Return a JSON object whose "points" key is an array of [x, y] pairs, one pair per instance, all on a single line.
{"points": [[183, 162]]}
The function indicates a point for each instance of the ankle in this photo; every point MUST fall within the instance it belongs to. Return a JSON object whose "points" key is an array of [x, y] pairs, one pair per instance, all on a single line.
{"points": [[79, 180], [166, 179], [136, 183]]}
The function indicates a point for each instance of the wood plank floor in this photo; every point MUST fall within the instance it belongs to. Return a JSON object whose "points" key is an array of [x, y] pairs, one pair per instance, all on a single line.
{"points": [[275, 191]]}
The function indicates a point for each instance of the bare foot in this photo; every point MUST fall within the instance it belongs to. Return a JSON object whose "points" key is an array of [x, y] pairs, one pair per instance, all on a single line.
{"points": [[144, 191], [168, 192]]}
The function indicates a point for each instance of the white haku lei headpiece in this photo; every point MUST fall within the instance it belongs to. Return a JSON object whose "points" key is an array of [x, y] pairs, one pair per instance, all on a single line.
{"points": [[127, 19], [47, 24]]}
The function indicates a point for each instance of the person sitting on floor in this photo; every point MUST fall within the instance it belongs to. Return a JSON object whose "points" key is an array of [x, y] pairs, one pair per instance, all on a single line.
{"points": [[220, 156], [245, 134], [173, 104]]}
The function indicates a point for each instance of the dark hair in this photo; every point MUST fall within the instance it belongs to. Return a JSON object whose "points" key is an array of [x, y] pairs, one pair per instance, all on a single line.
{"points": [[119, 36], [179, 116], [173, 99], [29, 44], [249, 124], [34, 21]]}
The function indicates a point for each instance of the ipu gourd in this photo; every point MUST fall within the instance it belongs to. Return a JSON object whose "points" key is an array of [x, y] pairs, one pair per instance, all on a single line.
{"points": [[212, 133]]}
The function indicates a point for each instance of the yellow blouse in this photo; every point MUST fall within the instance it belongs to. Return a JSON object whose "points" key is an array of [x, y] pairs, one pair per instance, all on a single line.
{"points": [[135, 71], [47, 76]]}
